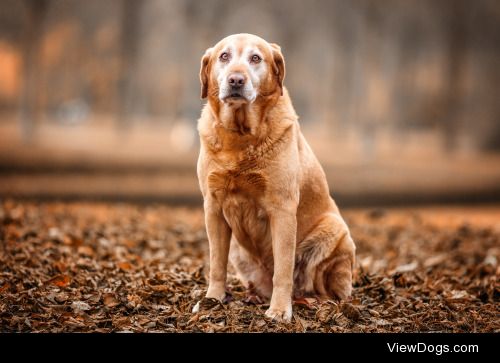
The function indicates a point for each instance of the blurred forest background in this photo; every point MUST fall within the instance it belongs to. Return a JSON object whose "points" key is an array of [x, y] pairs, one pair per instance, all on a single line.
{"points": [[398, 98]]}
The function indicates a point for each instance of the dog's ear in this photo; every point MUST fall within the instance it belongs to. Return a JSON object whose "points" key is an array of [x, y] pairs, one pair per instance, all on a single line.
{"points": [[278, 65], [204, 72]]}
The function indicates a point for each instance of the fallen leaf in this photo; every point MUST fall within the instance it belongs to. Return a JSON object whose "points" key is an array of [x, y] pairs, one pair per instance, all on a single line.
{"points": [[307, 302], [110, 300], [124, 266], [4, 287], [60, 266], [85, 251], [80, 306], [407, 267], [435, 260], [60, 280], [350, 311]]}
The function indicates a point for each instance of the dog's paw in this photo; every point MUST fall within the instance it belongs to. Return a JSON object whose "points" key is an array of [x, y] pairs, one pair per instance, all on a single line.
{"points": [[280, 314]]}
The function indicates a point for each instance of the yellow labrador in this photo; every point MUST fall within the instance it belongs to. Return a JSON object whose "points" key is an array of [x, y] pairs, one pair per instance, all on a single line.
{"points": [[267, 203]]}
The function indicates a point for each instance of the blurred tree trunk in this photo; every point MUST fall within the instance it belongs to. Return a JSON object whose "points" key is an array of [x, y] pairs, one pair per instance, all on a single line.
{"points": [[36, 11], [456, 33], [130, 26]]}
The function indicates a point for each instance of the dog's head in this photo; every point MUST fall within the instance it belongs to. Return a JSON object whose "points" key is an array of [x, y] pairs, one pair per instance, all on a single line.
{"points": [[240, 69]]}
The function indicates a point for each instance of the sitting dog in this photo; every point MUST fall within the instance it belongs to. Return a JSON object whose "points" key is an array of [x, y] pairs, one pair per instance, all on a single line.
{"points": [[266, 199]]}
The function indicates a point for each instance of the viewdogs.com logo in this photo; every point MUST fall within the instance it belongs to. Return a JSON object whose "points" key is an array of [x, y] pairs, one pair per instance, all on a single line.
{"points": [[431, 348]]}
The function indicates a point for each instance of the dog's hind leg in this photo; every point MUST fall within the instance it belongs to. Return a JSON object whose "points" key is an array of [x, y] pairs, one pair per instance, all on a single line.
{"points": [[324, 260]]}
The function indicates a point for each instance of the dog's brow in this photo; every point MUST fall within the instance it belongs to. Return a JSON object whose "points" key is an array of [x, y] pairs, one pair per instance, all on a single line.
{"points": [[242, 47], [252, 49]]}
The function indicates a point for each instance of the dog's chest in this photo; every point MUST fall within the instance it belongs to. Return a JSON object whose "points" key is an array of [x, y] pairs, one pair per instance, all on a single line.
{"points": [[230, 183], [240, 195]]}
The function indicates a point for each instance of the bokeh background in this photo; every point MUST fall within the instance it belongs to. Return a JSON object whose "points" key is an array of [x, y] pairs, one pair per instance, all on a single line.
{"points": [[398, 98]]}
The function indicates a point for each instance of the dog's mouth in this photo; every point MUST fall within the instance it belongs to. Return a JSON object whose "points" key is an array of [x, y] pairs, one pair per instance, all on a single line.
{"points": [[235, 96]]}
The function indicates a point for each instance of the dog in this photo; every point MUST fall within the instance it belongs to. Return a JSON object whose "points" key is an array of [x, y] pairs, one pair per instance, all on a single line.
{"points": [[267, 204]]}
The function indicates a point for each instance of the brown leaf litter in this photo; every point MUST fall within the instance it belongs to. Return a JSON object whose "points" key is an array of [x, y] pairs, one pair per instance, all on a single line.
{"points": [[96, 267]]}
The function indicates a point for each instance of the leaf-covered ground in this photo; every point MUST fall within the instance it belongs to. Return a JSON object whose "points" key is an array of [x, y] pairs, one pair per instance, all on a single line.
{"points": [[97, 267]]}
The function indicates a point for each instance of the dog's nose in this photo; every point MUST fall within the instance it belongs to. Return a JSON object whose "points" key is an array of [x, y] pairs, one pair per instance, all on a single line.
{"points": [[236, 80]]}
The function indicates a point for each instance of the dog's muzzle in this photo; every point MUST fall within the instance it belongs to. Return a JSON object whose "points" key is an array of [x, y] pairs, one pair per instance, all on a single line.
{"points": [[235, 90]]}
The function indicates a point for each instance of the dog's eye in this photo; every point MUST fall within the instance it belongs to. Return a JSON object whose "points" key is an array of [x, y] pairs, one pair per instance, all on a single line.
{"points": [[255, 58], [224, 57]]}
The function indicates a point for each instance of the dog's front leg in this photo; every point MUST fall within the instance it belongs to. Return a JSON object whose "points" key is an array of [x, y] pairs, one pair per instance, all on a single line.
{"points": [[219, 236], [284, 235]]}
